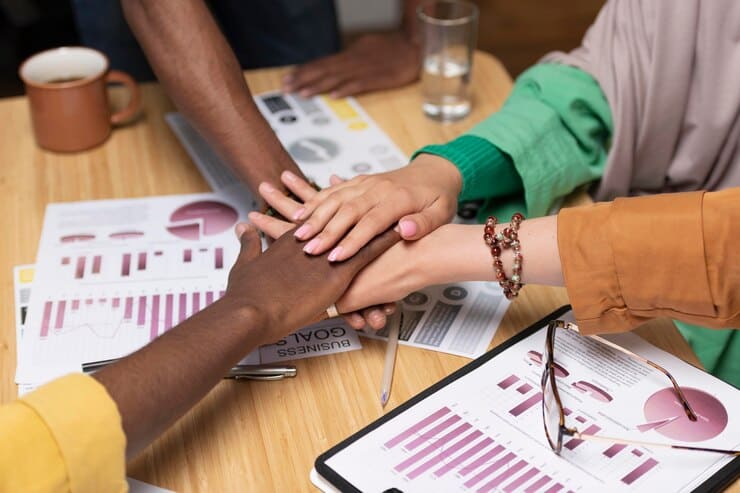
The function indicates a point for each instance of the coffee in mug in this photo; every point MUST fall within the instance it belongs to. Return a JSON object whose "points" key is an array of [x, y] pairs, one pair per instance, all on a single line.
{"points": [[67, 93]]}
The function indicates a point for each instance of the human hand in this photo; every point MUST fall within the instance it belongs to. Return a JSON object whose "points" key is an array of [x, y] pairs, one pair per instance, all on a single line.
{"points": [[373, 62], [420, 197], [288, 288], [367, 315]]}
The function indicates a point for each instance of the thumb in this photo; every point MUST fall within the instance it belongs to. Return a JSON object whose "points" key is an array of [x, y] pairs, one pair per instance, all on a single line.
{"points": [[250, 241], [415, 226]]}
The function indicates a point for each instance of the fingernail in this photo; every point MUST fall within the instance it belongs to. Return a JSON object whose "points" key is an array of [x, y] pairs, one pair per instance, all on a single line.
{"points": [[397, 229], [299, 214], [408, 228], [389, 310], [334, 255], [302, 232], [266, 187], [289, 176], [240, 229], [311, 246]]}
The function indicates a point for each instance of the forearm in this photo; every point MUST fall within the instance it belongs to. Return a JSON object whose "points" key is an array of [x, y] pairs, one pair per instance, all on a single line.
{"points": [[458, 253], [156, 385], [200, 73]]}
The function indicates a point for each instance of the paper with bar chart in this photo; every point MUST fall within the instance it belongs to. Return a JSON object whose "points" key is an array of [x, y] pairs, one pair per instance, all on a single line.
{"points": [[112, 275], [484, 431]]}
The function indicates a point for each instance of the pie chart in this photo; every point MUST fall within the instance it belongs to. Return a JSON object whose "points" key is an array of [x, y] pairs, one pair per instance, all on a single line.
{"points": [[666, 416], [203, 218]]}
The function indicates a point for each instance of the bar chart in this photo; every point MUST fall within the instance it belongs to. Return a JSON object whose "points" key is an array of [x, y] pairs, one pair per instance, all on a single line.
{"points": [[145, 264], [105, 317]]}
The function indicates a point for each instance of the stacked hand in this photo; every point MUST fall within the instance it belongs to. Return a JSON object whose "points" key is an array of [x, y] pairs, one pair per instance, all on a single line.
{"points": [[420, 197], [288, 288]]}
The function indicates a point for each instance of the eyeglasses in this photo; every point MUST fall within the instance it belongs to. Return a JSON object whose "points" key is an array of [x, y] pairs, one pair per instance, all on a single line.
{"points": [[553, 412]]}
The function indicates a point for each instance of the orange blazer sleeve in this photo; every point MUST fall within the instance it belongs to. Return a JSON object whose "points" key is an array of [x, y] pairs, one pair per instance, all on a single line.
{"points": [[670, 255]]}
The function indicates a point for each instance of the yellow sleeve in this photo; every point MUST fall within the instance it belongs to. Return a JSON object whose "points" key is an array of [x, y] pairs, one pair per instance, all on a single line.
{"points": [[64, 437]]}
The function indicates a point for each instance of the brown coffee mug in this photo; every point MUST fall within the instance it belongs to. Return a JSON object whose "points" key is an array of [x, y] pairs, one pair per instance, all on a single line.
{"points": [[67, 92]]}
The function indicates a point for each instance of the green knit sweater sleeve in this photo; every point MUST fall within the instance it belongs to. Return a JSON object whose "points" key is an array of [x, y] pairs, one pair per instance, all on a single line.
{"points": [[554, 131]]}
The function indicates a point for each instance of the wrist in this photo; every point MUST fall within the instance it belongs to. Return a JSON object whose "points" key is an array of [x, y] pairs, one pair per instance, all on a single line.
{"points": [[242, 316], [439, 171]]}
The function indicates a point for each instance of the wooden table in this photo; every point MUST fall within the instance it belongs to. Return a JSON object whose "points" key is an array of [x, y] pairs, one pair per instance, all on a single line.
{"points": [[259, 436]]}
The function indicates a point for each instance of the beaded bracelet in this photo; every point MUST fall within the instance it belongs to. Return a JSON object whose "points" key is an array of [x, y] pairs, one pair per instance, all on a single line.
{"points": [[497, 242]]}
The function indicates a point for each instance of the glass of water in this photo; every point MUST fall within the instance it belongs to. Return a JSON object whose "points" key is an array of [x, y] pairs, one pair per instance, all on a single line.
{"points": [[448, 30]]}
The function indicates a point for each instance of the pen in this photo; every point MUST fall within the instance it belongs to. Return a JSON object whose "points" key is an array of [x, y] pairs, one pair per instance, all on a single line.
{"points": [[238, 372], [394, 329]]}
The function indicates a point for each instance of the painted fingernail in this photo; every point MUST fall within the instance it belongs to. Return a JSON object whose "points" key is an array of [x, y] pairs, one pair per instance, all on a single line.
{"points": [[311, 246], [266, 187], [408, 228], [334, 255], [299, 214], [289, 176], [240, 229], [389, 310], [302, 232]]}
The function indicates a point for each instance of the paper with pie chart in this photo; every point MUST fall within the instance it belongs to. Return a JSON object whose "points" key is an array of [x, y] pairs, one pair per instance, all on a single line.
{"points": [[324, 136], [483, 432], [111, 275]]}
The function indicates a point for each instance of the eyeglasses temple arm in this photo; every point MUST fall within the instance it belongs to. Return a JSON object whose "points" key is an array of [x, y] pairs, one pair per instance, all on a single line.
{"points": [[622, 441], [684, 402]]}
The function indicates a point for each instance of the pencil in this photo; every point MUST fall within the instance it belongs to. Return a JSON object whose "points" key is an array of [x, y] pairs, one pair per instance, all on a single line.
{"points": [[395, 322]]}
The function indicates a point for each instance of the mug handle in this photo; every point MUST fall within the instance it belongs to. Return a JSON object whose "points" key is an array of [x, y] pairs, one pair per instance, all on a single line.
{"points": [[134, 101]]}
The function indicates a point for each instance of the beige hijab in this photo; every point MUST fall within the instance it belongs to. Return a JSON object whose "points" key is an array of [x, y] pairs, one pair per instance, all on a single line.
{"points": [[670, 70]]}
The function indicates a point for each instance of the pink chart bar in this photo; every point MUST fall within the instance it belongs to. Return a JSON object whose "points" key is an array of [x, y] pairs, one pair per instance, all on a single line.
{"points": [[80, 268], [219, 260], [75, 304], [187, 255], [416, 428], [154, 327], [182, 305], [481, 460], [168, 309], [575, 442], [504, 476], [614, 449], [196, 302], [538, 484], [437, 444], [65, 260], [128, 311], [46, 319], [639, 471], [97, 260], [88, 301], [580, 419], [524, 388], [126, 265], [526, 405], [430, 434], [464, 456], [490, 470], [209, 298], [554, 488], [521, 480], [141, 265], [61, 306], [116, 302], [567, 411], [444, 454], [141, 317], [508, 381], [636, 452]]}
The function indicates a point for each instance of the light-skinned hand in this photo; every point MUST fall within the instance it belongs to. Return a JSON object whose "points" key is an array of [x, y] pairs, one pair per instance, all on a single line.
{"points": [[419, 197]]}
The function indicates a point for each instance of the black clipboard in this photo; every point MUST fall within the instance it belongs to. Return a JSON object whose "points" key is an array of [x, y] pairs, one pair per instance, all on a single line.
{"points": [[716, 482]]}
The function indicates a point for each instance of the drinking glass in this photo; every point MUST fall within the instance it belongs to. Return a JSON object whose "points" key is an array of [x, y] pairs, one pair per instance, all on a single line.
{"points": [[448, 30]]}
